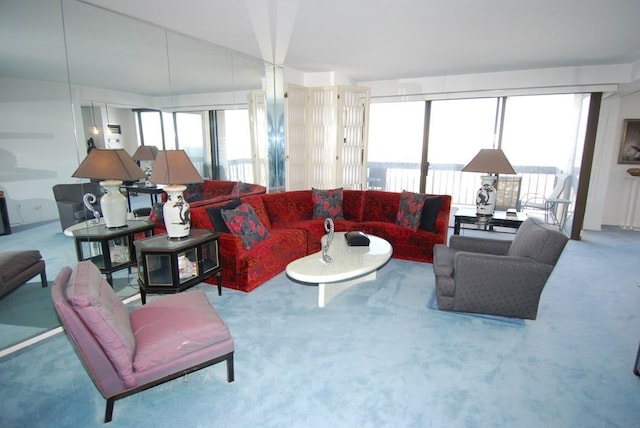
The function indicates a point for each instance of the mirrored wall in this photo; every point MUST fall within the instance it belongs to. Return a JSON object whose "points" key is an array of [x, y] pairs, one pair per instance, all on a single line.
{"points": [[69, 69]]}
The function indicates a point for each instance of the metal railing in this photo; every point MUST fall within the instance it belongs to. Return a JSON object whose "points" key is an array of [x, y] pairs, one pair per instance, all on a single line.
{"points": [[443, 179], [448, 179]]}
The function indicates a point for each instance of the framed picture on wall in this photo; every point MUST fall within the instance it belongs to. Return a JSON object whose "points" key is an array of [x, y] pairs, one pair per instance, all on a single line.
{"points": [[630, 147]]}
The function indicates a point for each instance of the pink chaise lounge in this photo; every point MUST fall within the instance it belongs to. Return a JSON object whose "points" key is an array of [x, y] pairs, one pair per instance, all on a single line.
{"points": [[127, 352]]}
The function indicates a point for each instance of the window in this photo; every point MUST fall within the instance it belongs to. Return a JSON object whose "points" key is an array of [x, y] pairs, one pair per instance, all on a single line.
{"points": [[196, 134]]}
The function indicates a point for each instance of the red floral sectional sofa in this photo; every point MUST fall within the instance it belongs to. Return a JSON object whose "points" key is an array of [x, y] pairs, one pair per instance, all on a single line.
{"points": [[287, 220]]}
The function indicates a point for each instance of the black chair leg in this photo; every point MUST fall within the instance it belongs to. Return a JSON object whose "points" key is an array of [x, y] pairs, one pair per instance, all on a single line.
{"points": [[108, 413], [230, 374], [43, 278]]}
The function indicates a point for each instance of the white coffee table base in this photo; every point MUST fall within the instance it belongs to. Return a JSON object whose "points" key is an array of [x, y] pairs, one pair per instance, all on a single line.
{"points": [[327, 291], [351, 266]]}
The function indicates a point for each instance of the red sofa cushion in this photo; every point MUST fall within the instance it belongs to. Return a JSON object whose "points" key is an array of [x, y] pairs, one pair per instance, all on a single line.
{"points": [[247, 269], [287, 208]]}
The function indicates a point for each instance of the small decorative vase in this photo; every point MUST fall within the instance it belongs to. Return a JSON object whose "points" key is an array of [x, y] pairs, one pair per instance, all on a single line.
{"points": [[486, 199], [177, 219], [113, 204], [328, 238]]}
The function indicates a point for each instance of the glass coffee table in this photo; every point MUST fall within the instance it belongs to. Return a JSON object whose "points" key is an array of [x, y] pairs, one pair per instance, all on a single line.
{"points": [[350, 266]]}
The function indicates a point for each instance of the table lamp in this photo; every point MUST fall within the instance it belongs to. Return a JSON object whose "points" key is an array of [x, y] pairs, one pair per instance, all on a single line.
{"points": [[174, 169], [146, 155], [490, 161], [112, 166]]}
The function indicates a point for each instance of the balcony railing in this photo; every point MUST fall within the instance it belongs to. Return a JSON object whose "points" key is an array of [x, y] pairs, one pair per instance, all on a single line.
{"points": [[449, 179], [443, 179]]}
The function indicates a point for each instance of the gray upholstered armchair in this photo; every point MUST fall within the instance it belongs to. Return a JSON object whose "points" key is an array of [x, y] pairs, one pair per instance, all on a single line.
{"points": [[71, 208], [497, 277]]}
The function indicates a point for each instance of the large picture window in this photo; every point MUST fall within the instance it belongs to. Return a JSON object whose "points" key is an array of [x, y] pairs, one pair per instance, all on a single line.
{"points": [[541, 135]]}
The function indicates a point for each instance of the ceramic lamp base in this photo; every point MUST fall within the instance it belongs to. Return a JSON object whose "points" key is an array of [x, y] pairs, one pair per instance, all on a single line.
{"points": [[113, 204], [486, 199], [177, 219]]}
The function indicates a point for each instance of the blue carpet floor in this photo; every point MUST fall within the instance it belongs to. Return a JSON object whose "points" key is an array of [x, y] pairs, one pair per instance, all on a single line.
{"points": [[379, 356]]}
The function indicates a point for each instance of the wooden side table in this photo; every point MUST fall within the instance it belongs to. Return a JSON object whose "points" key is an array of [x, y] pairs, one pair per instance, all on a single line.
{"points": [[111, 249], [174, 265]]}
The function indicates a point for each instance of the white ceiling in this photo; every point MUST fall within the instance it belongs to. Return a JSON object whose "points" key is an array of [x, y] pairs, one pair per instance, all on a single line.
{"points": [[367, 40]]}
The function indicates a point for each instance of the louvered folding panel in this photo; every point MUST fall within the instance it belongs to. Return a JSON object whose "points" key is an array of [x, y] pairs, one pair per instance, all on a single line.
{"points": [[259, 139], [296, 158], [354, 107], [322, 122]]}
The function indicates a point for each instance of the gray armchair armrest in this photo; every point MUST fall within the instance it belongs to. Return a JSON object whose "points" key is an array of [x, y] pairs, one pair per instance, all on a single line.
{"points": [[479, 245], [498, 285]]}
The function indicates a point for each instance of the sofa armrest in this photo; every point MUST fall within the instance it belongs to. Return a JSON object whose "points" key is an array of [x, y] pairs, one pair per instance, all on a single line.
{"points": [[479, 245]]}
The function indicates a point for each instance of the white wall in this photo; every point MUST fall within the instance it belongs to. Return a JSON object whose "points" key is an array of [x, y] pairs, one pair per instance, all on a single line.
{"points": [[619, 184], [37, 147]]}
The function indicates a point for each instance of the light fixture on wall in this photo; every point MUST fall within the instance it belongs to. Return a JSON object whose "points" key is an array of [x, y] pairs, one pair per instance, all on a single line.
{"points": [[174, 168], [490, 161], [111, 166], [146, 156]]}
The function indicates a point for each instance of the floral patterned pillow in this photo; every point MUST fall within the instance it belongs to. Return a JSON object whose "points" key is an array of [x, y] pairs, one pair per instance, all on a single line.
{"points": [[410, 209], [327, 203], [244, 222]]}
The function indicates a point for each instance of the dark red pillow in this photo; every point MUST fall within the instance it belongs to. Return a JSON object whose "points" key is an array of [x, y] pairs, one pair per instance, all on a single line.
{"points": [[327, 203], [410, 209], [244, 222]]}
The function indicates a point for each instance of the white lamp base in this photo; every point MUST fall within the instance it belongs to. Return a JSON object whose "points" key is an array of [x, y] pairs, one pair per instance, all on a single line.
{"points": [[177, 219], [113, 204], [486, 199]]}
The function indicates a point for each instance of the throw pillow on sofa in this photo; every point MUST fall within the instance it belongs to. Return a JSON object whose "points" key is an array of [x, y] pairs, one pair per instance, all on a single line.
{"points": [[410, 210], [240, 188], [430, 212], [215, 215], [244, 222], [327, 203]]}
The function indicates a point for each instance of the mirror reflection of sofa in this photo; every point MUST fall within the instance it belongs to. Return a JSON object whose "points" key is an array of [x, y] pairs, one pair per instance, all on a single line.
{"points": [[71, 208]]}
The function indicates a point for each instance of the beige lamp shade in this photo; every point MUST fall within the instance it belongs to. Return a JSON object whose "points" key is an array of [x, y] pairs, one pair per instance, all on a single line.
{"points": [[145, 153], [490, 161], [109, 164], [174, 167]]}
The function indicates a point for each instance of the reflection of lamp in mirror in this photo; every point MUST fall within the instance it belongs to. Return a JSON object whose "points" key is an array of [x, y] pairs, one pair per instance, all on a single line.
{"points": [[111, 166], [174, 168], [491, 161], [146, 156]]}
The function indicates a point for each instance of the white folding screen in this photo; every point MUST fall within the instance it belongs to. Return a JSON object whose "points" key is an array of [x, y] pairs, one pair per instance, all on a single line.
{"points": [[354, 104], [259, 139], [322, 129], [326, 137], [295, 108]]}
